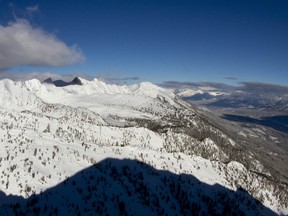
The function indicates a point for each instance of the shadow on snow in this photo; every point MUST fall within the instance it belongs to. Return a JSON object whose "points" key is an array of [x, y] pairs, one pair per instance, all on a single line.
{"points": [[130, 187]]}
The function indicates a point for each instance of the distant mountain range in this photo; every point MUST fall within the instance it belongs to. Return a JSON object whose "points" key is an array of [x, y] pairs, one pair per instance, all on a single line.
{"points": [[238, 98]]}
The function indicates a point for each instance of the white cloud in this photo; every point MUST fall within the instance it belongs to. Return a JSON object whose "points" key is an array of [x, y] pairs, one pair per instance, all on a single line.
{"points": [[28, 76], [22, 44], [41, 76]]}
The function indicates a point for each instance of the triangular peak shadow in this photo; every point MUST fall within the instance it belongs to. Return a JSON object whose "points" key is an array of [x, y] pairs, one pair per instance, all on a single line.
{"points": [[131, 187]]}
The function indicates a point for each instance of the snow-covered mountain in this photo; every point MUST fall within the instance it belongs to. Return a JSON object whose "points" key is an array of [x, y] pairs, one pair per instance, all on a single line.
{"points": [[130, 149]]}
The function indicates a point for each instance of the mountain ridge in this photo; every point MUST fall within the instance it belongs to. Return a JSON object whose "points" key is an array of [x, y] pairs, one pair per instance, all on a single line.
{"points": [[82, 124]]}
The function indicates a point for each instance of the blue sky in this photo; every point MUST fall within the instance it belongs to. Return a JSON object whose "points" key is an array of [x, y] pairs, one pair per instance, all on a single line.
{"points": [[159, 40]]}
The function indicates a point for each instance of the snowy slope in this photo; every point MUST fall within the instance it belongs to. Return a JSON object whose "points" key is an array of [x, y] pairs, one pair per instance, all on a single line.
{"points": [[14, 96], [106, 99], [95, 86], [49, 133]]}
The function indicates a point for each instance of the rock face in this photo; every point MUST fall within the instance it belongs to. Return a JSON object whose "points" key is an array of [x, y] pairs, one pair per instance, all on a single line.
{"points": [[61, 83], [132, 150]]}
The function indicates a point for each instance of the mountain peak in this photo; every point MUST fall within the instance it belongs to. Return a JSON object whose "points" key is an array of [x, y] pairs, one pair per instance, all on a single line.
{"points": [[76, 81], [49, 81], [62, 83]]}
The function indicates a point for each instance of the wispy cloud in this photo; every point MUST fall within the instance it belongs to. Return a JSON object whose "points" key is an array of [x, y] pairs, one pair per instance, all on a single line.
{"points": [[256, 88], [121, 79], [23, 44], [117, 78], [231, 78], [264, 88], [32, 8], [193, 85]]}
